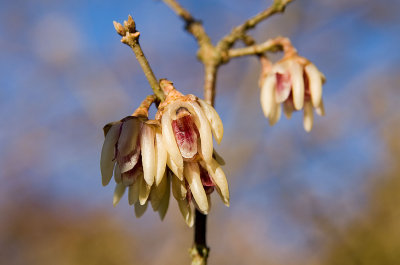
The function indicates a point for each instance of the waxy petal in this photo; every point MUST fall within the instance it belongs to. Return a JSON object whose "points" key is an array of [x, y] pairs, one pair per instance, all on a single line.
{"points": [[157, 193], [107, 161], [126, 165], [315, 83], [133, 192], [296, 76], [283, 81], [129, 132], [118, 193], [186, 211], [178, 171], [205, 133], [144, 190], [169, 139], [192, 175], [128, 178], [267, 95], [117, 174], [179, 190], [320, 110], [218, 158], [185, 135], [163, 207], [161, 157], [308, 116], [275, 115], [140, 209], [213, 118], [148, 153], [288, 108], [218, 176]]}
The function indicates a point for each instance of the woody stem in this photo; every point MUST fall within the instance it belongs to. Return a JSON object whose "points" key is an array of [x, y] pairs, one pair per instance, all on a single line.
{"points": [[199, 251]]}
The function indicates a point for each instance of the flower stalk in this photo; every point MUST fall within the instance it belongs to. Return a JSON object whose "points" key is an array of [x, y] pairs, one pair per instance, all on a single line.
{"points": [[130, 37]]}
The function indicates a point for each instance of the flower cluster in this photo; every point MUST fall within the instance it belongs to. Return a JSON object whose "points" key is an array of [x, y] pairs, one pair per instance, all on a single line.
{"points": [[297, 84], [146, 156]]}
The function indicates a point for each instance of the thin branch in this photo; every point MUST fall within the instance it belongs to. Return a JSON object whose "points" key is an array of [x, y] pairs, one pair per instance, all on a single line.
{"points": [[131, 38], [193, 25], [227, 42], [272, 45], [210, 78], [199, 252]]}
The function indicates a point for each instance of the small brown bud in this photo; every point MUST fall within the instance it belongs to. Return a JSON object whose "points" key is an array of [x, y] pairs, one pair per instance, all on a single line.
{"points": [[119, 28], [130, 24]]}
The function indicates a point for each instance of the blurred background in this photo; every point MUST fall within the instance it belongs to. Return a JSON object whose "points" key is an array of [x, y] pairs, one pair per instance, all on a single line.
{"points": [[326, 197]]}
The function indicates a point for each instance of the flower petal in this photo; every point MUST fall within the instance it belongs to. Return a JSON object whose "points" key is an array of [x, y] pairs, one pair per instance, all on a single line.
{"points": [[129, 132], [162, 209], [283, 81], [308, 116], [320, 110], [179, 190], [275, 115], [213, 118], [186, 211], [148, 153], [107, 161], [219, 178], [127, 164], [133, 192], [140, 209], [117, 175], [118, 193], [144, 190], [267, 95], [205, 133], [169, 138], [161, 157], [157, 193], [178, 171], [315, 83], [185, 132], [288, 108], [296, 75], [192, 175], [218, 158]]}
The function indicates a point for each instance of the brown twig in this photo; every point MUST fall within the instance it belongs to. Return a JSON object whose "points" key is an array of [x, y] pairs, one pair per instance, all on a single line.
{"points": [[274, 45], [131, 38], [227, 42], [193, 25]]}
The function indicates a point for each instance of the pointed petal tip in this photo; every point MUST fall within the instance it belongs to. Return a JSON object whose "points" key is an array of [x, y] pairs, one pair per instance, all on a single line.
{"points": [[308, 117], [213, 118], [315, 83], [267, 98]]}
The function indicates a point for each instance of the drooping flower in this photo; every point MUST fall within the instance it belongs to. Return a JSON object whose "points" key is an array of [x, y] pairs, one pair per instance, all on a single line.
{"points": [[134, 153], [297, 84], [188, 124], [195, 189]]}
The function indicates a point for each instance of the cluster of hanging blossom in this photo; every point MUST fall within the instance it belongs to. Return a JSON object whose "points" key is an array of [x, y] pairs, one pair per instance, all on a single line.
{"points": [[175, 149], [293, 81]]}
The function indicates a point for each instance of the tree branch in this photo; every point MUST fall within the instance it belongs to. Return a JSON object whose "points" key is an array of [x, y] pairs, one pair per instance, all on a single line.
{"points": [[193, 25], [273, 45], [131, 38], [227, 42], [210, 79], [199, 252]]}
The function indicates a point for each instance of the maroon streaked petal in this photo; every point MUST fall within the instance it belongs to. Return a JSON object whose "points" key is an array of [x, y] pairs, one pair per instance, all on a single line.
{"points": [[283, 86], [185, 135], [126, 163], [208, 190], [205, 178], [129, 177]]}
